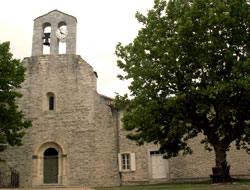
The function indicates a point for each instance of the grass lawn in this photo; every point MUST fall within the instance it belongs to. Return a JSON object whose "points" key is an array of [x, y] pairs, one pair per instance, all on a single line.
{"points": [[239, 185]]}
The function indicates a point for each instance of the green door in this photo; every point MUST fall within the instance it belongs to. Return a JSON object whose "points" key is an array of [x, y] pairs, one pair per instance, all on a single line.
{"points": [[50, 167]]}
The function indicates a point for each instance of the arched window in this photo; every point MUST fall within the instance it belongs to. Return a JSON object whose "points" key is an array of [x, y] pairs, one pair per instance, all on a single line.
{"points": [[46, 38], [51, 103], [51, 100]]}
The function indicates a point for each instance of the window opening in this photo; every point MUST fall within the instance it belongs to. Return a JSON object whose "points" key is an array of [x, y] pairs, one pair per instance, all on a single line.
{"points": [[51, 103], [125, 161]]}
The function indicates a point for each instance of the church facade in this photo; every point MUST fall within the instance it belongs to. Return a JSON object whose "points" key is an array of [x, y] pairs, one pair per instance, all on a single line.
{"points": [[77, 137]]}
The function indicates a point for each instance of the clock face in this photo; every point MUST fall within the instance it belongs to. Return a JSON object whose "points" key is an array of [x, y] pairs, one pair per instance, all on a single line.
{"points": [[61, 34]]}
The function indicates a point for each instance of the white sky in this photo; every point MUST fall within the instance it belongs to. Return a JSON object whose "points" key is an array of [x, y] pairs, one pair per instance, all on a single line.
{"points": [[101, 25]]}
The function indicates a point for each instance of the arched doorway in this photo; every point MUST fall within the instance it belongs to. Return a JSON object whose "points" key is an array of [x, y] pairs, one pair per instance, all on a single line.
{"points": [[50, 166], [50, 154]]}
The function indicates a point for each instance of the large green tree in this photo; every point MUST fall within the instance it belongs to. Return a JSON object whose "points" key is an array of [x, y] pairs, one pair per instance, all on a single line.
{"points": [[12, 122], [190, 72]]}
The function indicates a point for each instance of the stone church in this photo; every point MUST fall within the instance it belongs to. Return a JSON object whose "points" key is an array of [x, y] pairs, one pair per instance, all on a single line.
{"points": [[77, 137]]}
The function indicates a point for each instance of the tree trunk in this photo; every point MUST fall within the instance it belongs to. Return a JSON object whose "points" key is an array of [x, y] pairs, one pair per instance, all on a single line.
{"points": [[220, 156], [221, 172]]}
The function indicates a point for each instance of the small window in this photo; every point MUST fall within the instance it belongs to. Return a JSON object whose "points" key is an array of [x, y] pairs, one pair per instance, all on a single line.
{"points": [[126, 161], [50, 101]]}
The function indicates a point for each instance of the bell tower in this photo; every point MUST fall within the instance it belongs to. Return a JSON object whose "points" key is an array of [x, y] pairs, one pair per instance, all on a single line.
{"points": [[52, 32]]}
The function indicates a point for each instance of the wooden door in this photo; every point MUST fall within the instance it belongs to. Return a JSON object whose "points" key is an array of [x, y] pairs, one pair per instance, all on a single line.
{"points": [[50, 166], [50, 169]]}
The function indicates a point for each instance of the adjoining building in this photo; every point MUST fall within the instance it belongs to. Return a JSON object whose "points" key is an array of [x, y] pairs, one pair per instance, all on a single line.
{"points": [[77, 137]]}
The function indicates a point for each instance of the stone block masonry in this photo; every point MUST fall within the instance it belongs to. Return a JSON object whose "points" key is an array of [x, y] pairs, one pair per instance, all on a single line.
{"points": [[80, 127]]}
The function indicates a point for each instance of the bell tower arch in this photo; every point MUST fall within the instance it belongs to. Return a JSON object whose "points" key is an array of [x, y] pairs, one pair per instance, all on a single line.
{"points": [[62, 31]]}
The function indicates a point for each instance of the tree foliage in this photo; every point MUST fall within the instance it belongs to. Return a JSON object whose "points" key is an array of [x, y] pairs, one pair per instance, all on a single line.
{"points": [[12, 122], [190, 71]]}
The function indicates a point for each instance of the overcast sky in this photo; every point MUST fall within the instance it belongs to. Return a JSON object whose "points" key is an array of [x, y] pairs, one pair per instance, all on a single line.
{"points": [[101, 24]]}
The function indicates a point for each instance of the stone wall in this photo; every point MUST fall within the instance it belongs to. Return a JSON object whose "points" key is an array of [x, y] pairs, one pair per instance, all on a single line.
{"points": [[194, 167], [200, 163], [80, 127], [5, 175], [106, 165], [141, 175]]}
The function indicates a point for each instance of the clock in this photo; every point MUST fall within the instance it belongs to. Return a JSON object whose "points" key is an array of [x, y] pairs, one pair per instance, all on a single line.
{"points": [[61, 34]]}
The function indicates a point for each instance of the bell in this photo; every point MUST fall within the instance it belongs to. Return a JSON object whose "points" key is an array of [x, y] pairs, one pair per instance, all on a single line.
{"points": [[46, 43], [46, 37]]}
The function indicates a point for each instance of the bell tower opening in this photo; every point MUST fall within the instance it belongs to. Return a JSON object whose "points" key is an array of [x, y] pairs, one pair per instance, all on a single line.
{"points": [[61, 35], [46, 38]]}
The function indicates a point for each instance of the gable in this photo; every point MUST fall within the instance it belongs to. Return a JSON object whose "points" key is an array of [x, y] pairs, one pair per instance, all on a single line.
{"points": [[55, 12]]}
